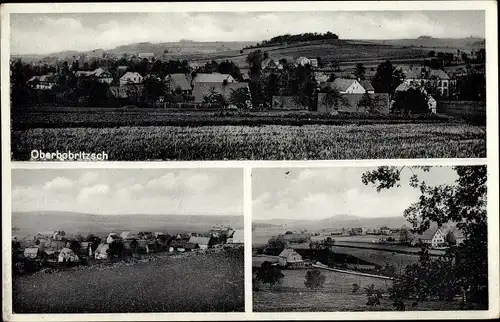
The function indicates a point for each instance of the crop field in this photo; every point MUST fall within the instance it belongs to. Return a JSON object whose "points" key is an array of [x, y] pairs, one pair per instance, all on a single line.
{"points": [[202, 283], [266, 142]]}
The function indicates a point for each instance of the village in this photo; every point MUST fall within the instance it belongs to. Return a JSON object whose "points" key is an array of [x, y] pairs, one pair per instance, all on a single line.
{"points": [[265, 81], [59, 249]]}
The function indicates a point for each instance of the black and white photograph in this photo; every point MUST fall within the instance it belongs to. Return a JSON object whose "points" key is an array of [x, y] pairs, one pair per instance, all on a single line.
{"points": [[127, 240], [386, 238], [248, 85]]}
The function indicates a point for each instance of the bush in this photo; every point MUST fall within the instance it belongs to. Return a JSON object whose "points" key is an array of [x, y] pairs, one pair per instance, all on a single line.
{"points": [[314, 279]]}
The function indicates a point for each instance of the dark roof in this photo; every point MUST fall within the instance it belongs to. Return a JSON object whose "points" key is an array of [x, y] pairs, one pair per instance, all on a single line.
{"points": [[211, 78], [199, 240], [367, 85], [191, 245], [342, 84], [179, 80]]}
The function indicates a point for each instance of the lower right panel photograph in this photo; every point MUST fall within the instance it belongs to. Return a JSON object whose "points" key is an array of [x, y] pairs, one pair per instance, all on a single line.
{"points": [[386, 238]]}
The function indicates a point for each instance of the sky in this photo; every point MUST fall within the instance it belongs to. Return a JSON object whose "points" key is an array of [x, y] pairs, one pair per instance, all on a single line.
{"points": [[49, 33], [129, 191], [317, 193]]}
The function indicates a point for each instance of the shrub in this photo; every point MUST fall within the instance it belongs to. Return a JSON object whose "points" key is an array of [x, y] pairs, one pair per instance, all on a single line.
{"points": [[314, 279]]}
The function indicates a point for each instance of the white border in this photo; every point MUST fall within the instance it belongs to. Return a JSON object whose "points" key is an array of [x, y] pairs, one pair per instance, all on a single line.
{"points": [[491, 160]]}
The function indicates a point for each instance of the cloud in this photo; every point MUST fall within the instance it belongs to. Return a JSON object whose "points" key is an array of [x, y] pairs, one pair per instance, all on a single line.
{"points": [[58, 183], [98, 190], [88, 178]]}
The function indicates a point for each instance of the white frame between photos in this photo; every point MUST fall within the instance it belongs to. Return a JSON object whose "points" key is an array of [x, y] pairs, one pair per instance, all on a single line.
{"points": [[491, 161]]}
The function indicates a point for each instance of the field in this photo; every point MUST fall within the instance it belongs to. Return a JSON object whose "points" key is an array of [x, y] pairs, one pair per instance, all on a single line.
{"points": [[202, 283], [265, 142], [336, 295]]}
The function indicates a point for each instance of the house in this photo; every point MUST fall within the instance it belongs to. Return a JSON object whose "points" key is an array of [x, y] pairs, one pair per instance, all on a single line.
{"points": [[103, 76], [238, 237], [421, 75], [57, 244], [31, 253], [269, 63], [432, 237], [287, 103], [131, 78], [127, 235], [313, 62], [111, 238], [351, 104], [148, 56], [102, 251], [67, 255], [202, 242], [302, 61], [290, 258], [205, 89], [191, 246], [86, 248], [367, 85], [58, 235], [431, 102], [346, 86], [212, 78], [45, 82], [358, 231], [128, 91], [178, 82]]}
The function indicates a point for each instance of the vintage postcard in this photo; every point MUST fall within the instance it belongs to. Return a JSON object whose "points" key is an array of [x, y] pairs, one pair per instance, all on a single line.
{"points": [[246, 85], [250, 161]]}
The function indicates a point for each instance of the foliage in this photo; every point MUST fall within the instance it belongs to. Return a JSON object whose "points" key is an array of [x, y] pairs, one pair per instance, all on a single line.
{"points": [[75, 246], [410, 101], [373, 295], [387, 78], [94, 240], [360, 71], [269, 274], [282, 39], [355, 288], [404, 236], [254, 60], [276, 242], [332, 97], [153, 88], [463, 270], [241, 98], [314, 279]]}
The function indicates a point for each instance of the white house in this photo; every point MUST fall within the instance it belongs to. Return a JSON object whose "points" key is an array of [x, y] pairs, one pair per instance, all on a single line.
{"points": [[111, 237], [434, 237], [131, 78], [102, 251], [347, 86], [302, 61], [238, 237], [201, 241], [420, 75], [289, 257], [313, 62]]}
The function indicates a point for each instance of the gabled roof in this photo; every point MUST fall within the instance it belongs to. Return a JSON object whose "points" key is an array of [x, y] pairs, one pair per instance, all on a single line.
{"points": [[190, 245], [439, 74], [211, 78], [34, 78], [342, 84], [238, 235], [128, 75], [179, 80], [199, 240], [286, 252], [367, 85], [47, 78]]}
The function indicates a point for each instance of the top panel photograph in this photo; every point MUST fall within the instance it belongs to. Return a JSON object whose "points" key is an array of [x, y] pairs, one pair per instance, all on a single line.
{"points": [[215, 86]]}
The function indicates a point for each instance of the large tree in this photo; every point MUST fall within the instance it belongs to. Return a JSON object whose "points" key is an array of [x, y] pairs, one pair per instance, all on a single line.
{"points": [[387, 78], [359, 71], [463, 271]]}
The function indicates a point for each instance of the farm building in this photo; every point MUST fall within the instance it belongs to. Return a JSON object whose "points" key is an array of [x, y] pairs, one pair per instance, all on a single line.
{"points": [[131, 78], [420, 75], [380, 104], [367, 85], [205, 89], [297, 238], [302, 61], [290, 258], [57, 244], [202, 242], [102, 251], [133, 91], [128, 235], [238, 237], [111, 238], [345, 86], [31, 253], [67, 255], [439, 236], [179, 82], [191, 246], [287, 103], [43, 82], [148, 56], [212, 78]]}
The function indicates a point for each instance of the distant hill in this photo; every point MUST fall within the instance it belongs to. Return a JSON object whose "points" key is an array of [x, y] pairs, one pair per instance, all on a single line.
{"points": [[430, 42], [340, 221], [71, 222]]}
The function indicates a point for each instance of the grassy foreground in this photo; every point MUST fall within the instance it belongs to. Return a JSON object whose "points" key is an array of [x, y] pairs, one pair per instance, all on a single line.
{"points": [[267, 142], [200, 283]]}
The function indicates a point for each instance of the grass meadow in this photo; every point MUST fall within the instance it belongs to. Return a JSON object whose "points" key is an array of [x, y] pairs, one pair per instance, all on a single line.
{"points": [[202, 283], [264, 142]]}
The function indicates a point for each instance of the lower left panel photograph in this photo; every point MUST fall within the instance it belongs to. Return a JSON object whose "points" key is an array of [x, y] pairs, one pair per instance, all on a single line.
{"points": [[127, 240]]}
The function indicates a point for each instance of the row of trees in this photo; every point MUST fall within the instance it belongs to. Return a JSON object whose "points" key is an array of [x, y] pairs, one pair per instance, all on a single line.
{"points": [[288, 38]]}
